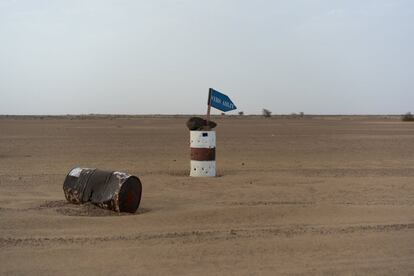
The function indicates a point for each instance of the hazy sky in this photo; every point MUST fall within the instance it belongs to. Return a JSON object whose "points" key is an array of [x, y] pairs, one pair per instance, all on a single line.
{"points": [[153, 56]]}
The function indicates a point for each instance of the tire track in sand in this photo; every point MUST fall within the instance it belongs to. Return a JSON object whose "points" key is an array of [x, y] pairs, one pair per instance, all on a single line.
{"points": [[200, 236]]}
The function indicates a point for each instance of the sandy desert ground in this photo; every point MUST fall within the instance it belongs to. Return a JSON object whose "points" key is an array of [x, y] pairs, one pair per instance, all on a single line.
{"points": [[327, 195]]}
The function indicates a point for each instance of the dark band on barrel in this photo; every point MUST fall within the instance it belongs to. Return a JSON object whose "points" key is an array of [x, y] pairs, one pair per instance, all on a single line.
{"points": [[203, 154]]}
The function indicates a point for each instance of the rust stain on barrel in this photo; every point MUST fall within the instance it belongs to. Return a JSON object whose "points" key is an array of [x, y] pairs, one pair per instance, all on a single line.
{"points": [[203, 154]]}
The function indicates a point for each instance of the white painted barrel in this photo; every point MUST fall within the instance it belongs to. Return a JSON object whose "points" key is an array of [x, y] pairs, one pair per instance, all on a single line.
{"points": [[203, 153]]}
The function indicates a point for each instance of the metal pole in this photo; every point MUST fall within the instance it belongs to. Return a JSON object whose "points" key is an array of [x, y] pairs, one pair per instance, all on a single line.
{"points": [[209, 106]]}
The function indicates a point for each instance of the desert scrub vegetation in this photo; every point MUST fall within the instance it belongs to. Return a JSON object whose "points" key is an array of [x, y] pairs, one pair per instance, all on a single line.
{"points": [[266, 113], [408, 117]]}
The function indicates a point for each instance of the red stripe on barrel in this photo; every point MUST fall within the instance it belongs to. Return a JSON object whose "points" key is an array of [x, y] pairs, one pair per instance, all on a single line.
{"points": [[203, 154]]}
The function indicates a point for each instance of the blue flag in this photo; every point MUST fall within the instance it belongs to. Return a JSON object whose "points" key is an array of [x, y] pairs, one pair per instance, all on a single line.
{"points": [[220, 101]]}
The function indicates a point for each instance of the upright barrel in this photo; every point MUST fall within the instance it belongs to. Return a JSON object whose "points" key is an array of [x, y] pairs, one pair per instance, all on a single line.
{"points": [[117, 191], [203, 153]]}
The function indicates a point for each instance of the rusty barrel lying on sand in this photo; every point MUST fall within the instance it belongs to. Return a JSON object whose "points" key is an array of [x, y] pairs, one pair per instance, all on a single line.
{"points": [[117, 191]]}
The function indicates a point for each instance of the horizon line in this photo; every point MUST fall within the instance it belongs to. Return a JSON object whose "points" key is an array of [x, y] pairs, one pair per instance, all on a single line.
{"points": [[193, 114]]}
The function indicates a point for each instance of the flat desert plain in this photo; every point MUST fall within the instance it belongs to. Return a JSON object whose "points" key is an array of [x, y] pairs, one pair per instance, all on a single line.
{"points": [[313, 195]]}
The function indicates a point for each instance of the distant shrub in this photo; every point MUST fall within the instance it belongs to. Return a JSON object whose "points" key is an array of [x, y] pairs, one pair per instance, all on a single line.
{"points": [[241, 113], [408, 117], [301, 114], [223, 114], [266, 113]]}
